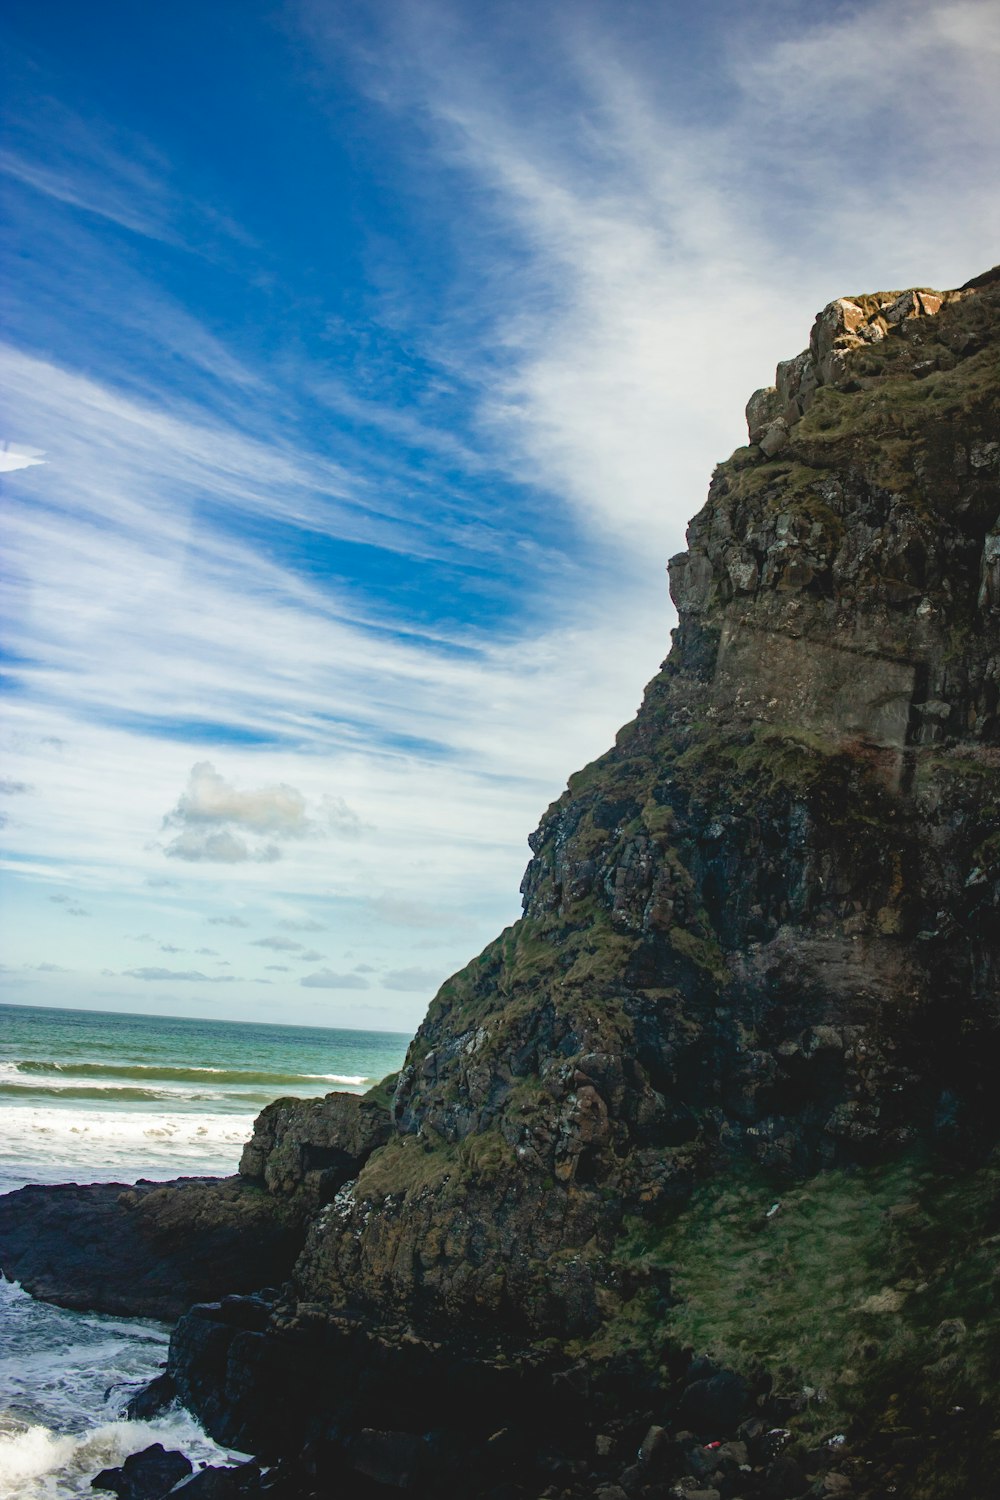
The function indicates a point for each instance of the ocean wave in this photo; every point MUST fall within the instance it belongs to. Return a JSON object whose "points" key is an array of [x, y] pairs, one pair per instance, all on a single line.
{"points": [[164, 1072], [37, 1463], [48, 1143], [77, 1091]]}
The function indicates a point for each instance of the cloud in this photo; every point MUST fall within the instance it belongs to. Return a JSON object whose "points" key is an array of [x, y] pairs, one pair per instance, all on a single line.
{"points": [[208, 952], [326, 979], [51, 969], [412, 979], [192, 976], [228, 922], [278, 968], [12, 457], [9, 788], [279, 944], [311, 956], [227, 825], [301, 924], [169, 948], [211, 800], [222, 847], [639, 242], [339, 818]]}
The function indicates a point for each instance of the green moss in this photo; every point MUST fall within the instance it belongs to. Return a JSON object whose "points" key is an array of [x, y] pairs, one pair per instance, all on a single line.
{"points": [[382, 1092], [406, 1164], [704, 952], [853, 1284]]}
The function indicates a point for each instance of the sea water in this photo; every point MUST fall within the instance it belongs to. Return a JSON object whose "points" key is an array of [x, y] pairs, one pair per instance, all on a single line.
{"points": [[88, 1096]]}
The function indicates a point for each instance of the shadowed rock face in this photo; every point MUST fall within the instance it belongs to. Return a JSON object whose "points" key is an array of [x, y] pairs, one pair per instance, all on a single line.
{"points": [[766, 922]]}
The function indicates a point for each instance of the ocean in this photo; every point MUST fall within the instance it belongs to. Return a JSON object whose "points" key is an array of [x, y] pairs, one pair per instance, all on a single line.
{"points": [[91, 1096]]}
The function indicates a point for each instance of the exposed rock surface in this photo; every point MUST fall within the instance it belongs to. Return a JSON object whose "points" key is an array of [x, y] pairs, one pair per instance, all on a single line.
{"points": [[763, 929], [148, 1250], [767, 921], [308, 1148], [153, 1249], [146, 1475]]}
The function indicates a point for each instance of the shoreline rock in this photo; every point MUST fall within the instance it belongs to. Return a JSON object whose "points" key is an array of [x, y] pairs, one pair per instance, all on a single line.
{"points": [[148, 1249]]}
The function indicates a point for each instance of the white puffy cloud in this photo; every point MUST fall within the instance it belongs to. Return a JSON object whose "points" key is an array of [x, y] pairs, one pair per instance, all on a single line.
{"points": [[211, 800], [225, 824]]}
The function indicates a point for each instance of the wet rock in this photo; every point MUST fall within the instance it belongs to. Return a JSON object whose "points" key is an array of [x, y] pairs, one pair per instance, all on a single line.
{"points": [[153, 1399], [144, 1476]]}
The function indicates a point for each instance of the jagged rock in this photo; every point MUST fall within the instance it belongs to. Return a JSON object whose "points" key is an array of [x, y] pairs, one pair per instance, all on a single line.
{"points": [[151, 1400], [766, 921], [313, 1146], [148, 1475]]}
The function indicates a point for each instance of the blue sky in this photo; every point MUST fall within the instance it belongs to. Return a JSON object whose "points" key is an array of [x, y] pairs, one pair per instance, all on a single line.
{"points": [[362, 365]]}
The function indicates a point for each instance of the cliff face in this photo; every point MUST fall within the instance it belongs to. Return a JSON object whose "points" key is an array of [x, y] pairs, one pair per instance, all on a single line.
{"points": [[766, 922], [758, 965]]}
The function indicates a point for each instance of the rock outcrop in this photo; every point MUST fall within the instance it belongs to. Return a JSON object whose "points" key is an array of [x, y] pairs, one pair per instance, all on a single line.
{"points": [[767, 921], [147, 1250]]}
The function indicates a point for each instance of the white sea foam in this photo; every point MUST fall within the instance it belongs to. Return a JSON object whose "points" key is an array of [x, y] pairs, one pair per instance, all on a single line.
{"points": [[64, 1381], [50, 1143], [39, 1464]]}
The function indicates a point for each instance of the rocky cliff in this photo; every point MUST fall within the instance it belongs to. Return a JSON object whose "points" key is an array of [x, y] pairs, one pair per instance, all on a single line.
{"points": [[683, 1155], [766, 923]]}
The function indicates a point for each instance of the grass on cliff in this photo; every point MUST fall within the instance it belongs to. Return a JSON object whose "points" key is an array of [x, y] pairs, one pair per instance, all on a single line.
{"points": [[875, 1291]]}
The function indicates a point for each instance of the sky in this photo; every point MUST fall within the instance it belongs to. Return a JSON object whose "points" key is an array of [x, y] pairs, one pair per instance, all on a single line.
{"points": [[362, 364]]}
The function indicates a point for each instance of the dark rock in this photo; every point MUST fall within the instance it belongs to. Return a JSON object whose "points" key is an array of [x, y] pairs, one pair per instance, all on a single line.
{"points": [[311, 1147], [761, 936], [148, 1475], [714, 1407], [785, 1480], [151, 1400], [149, 1250]]}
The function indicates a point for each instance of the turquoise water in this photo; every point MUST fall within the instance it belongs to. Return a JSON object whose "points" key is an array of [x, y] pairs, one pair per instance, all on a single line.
{"points": [[90, 1095]]}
